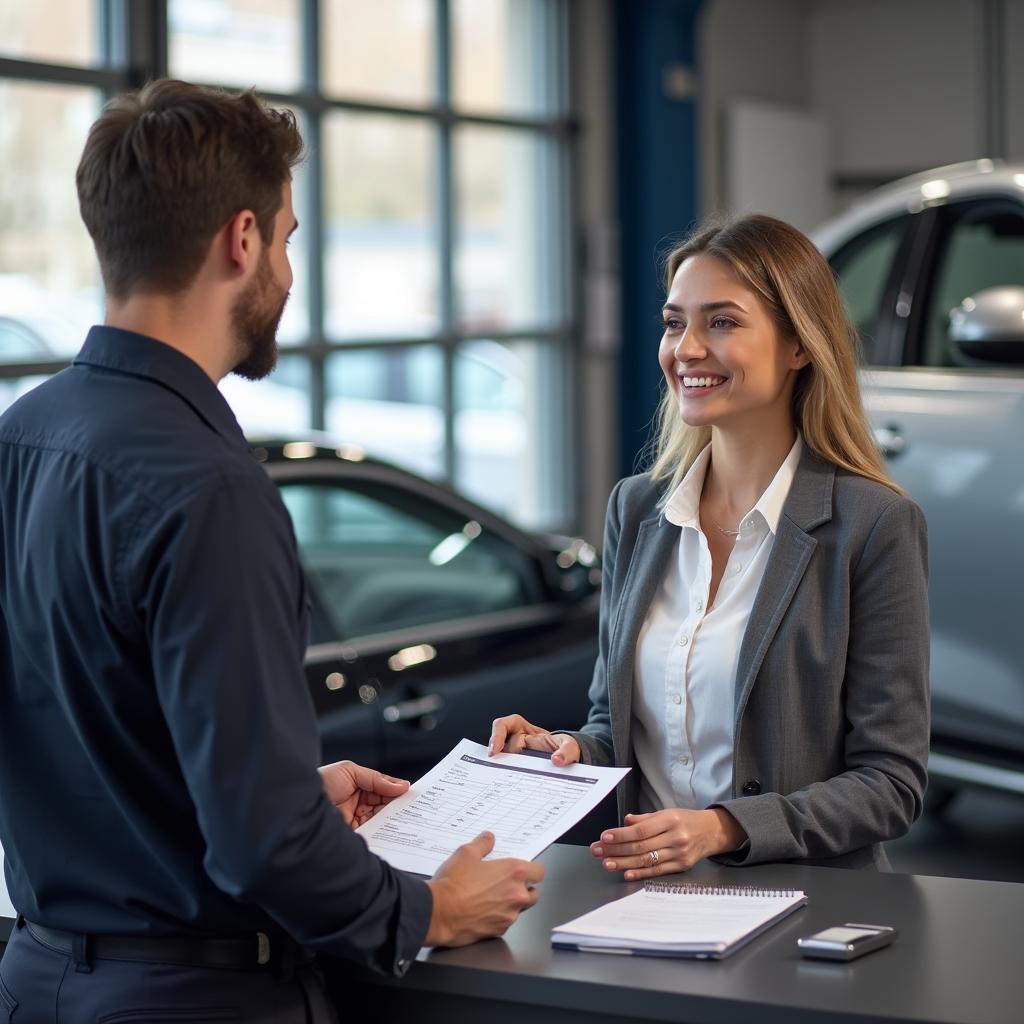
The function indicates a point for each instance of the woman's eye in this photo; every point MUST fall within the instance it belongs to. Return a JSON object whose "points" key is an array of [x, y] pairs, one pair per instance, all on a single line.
{"points": [[671, 324], [722, 322]]}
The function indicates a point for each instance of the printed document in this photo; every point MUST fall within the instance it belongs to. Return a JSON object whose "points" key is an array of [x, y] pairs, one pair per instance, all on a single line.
{"points": [[526, 801]]}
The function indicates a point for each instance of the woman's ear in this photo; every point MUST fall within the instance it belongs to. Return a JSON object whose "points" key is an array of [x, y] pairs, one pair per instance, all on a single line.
{"points": [[798, 355]]}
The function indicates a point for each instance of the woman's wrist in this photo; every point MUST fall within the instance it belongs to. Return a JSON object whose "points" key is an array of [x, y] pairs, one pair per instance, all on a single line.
{"points": [[729, 835]]}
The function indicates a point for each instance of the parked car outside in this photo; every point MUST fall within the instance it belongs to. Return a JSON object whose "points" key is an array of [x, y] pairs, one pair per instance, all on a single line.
{"points": [[430, 615], [932, 268]]}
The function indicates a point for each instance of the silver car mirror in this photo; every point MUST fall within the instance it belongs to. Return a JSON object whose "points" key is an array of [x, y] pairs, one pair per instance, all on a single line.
{"points": [[989, 326]]}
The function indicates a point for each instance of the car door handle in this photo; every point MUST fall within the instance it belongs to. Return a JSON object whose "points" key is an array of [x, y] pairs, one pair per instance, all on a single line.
{"points": [[890, 441], [419, 709]]}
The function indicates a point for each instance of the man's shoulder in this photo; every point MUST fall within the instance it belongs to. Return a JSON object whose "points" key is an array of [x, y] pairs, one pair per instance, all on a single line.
{"points": [[145, 439]]}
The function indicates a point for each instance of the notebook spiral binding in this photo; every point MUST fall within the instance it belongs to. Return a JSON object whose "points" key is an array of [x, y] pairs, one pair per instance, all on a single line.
{"points": [[710, 889]]}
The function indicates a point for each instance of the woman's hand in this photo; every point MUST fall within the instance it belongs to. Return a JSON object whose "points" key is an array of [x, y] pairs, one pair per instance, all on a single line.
{"points": [[513, 732], [679, 837]]}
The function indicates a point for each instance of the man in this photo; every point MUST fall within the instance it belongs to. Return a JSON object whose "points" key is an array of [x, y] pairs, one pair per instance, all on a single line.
{"points": [[170, 843]]}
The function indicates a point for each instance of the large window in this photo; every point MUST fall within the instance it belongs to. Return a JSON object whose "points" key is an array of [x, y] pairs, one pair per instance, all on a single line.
{"points": [[430, 321]]}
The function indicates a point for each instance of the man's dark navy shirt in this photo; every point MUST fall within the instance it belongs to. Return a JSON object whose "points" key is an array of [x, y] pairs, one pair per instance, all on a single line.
{"points": [[158, 745]]}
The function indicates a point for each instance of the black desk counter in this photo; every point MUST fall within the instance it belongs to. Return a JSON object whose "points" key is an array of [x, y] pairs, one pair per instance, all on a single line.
{"points": [[959, 958]]}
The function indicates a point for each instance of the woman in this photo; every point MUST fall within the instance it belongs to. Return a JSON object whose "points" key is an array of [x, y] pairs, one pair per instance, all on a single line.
{"points": [[763, 660]]}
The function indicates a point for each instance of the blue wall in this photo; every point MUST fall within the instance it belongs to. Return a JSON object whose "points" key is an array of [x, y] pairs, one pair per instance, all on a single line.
{"points": [[657, 190]]}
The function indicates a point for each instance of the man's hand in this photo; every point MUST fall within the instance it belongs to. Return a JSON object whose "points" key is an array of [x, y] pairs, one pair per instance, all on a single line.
{"points": [[358, 792], [679, 837], [476, 898], [513, 732]]}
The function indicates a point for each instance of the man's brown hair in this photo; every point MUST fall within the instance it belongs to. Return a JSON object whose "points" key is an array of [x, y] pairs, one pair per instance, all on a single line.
{"points": [[166, 167]]}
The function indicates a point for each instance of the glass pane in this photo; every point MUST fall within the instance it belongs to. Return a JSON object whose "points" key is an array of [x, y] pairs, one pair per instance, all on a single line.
{"points": [[378, 51], [278, 406], [56, 32], [381, 231], [49, 279], [382, 559], [510, 401], [509, 258], [388, 401], [507, 56], [863, 267], [236, 42], [13, 388], [984, 249], [294, 326]]}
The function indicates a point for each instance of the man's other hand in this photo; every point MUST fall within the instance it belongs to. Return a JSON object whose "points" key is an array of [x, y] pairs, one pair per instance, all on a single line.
{"points": [[476, 898], [358, 792]]}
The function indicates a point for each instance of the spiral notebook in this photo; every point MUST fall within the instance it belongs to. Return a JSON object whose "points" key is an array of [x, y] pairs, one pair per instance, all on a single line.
{"points": [[704, 922]]}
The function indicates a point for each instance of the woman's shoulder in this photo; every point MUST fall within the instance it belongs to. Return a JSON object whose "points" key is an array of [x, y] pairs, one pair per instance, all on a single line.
{"points": [[870, 500], [637, 497]]}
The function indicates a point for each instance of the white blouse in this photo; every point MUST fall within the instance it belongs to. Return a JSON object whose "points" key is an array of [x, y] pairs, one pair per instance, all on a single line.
{"points": [[687, 654]]}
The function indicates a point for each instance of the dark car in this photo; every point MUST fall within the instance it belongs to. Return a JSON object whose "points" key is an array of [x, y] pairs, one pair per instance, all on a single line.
{"points": [[431, 616]]}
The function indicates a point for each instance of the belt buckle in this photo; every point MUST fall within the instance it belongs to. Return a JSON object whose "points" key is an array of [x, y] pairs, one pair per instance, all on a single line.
{"points": [[263, 948]]}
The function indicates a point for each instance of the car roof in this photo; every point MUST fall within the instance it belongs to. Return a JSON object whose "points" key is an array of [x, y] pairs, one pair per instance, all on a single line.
{"points": [[285, 458], [911, 194]]}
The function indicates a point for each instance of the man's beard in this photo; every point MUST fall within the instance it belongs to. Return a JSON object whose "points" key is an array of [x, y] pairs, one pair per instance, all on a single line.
{"points": [[254, 320]]}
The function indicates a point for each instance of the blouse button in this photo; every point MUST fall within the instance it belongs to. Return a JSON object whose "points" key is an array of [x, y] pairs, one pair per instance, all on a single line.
{"points": [[683, 641]]}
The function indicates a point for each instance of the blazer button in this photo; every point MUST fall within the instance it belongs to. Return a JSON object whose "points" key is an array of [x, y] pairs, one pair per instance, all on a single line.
{"points": [[751, 788]]}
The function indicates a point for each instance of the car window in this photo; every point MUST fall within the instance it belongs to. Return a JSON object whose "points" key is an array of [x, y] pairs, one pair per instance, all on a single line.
{"points": [[18, 342], [863, 267], [380, 558], [982, 246]]}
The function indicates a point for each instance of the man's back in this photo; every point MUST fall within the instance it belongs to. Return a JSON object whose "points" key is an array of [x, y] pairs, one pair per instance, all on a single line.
{"points": [[111, 472], [154, 720]]}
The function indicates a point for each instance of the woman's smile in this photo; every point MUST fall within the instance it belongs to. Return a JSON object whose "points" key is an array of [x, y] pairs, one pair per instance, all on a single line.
{"points": [[699, 385]]}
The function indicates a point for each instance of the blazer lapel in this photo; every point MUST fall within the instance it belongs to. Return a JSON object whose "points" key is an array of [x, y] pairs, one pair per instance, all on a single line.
{"points": [[808, 505], [656, 539]]}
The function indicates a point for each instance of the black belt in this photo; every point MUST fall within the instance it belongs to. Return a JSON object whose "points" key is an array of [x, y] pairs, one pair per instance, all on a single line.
{"points": [[251, 953]]}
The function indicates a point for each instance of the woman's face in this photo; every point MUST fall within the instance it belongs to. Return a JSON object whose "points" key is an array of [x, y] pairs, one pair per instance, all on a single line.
{"points": [[723, 356]]}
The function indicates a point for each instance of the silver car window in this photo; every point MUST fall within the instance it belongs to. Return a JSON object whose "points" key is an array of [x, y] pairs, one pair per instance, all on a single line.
{"points": [[982, 247], [863, 267]]}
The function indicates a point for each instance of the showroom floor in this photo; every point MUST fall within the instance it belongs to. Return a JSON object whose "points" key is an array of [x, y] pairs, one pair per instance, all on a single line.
{"points": [[979, 835]]}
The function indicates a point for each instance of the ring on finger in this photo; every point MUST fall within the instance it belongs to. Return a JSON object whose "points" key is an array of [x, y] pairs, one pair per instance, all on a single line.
{"points": [[652, 856]]}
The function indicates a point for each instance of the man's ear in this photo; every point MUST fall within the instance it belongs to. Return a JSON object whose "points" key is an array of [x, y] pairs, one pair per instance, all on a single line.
{"points": [[242, 241]]}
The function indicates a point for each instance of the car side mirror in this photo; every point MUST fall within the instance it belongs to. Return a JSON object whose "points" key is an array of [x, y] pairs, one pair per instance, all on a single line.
{"points": [[989, 326]]}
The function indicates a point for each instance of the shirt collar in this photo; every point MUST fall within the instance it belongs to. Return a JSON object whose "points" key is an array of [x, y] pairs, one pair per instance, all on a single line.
{"points": [[683, 507], [112, 348]]}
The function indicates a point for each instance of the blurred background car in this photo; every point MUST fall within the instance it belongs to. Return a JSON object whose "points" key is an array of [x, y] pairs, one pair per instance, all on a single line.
{"points": [[430, 615], [932, 268]]}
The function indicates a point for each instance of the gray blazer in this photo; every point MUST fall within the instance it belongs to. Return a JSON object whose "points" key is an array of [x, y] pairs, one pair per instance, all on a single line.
{"points": [[832, 697]]}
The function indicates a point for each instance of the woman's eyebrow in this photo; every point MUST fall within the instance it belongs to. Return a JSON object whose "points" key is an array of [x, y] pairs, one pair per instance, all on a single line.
{"points": [[706, 307]]}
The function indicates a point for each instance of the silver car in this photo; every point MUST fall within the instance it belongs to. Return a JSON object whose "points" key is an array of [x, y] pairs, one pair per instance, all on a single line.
{"points": [[932, 267]]}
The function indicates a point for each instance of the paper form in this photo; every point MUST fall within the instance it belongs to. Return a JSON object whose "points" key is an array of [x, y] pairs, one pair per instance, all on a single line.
{"points": [[525, 801]]}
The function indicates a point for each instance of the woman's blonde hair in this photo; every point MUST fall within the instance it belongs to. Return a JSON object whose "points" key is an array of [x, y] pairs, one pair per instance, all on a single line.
{"points": [[796, 286]]}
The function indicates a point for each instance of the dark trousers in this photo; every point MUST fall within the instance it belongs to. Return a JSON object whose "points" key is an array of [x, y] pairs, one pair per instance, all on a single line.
{"points": [[39, 985]]}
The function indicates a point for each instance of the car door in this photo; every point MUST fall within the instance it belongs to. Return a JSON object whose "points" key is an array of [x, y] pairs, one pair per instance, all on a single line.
{"points": [[442, 615], [951, 434]]}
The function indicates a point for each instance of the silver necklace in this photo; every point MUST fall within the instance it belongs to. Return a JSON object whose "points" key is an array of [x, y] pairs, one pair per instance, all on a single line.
{"points": [[722, 529]]}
